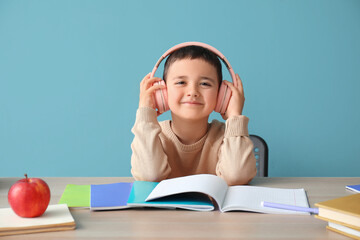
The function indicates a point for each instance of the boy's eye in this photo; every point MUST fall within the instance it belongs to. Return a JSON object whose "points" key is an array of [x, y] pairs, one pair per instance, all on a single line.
{"points": [[205, 84], [180, 83]]}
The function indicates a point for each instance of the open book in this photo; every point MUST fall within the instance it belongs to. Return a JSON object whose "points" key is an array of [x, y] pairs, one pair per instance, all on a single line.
{"points": [[193, 192]]}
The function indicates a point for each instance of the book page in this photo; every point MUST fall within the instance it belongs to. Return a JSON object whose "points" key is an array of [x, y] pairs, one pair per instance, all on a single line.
{"points": [[211, 185], [343, 229], [249, 198]]}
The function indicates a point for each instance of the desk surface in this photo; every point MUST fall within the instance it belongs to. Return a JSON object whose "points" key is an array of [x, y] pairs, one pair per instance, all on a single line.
{"points": [[182, 224]]}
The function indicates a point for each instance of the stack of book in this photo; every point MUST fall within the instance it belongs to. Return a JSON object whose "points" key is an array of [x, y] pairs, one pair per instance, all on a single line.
{"points": [[342, 215], [56, 218]]}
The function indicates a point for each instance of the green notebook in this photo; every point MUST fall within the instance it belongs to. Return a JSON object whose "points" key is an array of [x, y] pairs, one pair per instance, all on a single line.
{"points": [[76, 196]]}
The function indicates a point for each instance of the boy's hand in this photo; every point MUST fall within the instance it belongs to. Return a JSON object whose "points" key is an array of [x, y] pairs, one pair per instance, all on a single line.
{"points": [[237, 99], [147, 90]]}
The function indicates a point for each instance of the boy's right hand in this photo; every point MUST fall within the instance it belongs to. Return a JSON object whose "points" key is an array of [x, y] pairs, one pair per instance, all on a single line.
{"points": [[147, 91]]}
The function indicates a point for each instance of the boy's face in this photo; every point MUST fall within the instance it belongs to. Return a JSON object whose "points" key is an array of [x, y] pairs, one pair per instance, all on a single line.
{"points": [[192, 87]]}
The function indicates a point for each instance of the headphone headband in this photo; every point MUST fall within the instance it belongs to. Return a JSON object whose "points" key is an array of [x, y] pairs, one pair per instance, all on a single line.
{"points": [[224, 93], [199, 44]]}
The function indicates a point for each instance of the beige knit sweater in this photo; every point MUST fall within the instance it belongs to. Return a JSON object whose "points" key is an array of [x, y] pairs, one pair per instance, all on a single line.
{"points": [[225, 150]]}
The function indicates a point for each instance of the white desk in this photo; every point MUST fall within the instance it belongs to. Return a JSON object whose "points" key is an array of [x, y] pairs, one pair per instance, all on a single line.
{"points": [[181, 224]]}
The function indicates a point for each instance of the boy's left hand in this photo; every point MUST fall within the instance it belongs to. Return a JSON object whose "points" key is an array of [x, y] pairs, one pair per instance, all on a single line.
{"points": [[237, 99]]}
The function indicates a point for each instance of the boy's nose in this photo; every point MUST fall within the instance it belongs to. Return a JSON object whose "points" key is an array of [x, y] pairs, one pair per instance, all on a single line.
{"points": [[193, 91]]}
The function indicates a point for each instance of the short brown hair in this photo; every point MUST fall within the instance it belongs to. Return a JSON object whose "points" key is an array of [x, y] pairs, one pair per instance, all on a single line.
{"points": [[194, 52]]}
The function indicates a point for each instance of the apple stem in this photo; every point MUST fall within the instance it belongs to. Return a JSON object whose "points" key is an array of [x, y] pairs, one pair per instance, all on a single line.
{"points": [[26, 176]]}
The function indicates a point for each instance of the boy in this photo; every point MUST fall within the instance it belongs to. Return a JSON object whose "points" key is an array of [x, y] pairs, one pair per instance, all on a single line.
{"points": [[188, 144]]}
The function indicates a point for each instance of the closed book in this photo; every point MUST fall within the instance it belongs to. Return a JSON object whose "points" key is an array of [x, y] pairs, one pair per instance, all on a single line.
{"points": [[343, 210], [56, 218], [355, 188], [345, 230]]}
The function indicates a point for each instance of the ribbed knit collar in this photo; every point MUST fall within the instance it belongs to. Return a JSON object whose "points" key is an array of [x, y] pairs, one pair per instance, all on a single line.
{"points": [[183, 147]]}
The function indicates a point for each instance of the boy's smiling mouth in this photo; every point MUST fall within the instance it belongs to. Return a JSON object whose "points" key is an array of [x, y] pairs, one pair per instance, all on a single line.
{"points": [[192, 103]]}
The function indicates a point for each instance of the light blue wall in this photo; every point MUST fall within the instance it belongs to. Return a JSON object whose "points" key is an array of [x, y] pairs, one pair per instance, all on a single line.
{"points": [[70, 72]]}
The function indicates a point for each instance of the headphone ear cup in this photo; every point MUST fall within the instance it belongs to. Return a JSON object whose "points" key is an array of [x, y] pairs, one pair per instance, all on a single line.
{"points": [[223, 99], [161, 98]]}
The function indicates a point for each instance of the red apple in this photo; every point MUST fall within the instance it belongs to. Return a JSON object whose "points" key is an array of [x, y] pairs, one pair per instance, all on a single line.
{"points": [[29, 197]]}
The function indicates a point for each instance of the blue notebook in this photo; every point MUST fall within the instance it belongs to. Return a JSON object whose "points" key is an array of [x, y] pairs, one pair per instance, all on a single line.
{"points": [[110, 196], [355, 188]]}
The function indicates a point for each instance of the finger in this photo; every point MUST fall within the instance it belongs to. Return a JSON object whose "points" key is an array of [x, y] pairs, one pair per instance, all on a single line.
{"points": [[150, 82], [154, 79], [224, 116], [231, 86], [240, 84], [143, 82], [153, 88], [147, 76]]}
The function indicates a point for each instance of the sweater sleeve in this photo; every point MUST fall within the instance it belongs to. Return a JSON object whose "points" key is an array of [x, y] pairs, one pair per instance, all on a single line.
{"points": [[148, 160], [237, 163]]}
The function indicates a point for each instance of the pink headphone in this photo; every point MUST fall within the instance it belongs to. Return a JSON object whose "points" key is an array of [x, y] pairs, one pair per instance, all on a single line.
{"points": [[161, 98]]}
